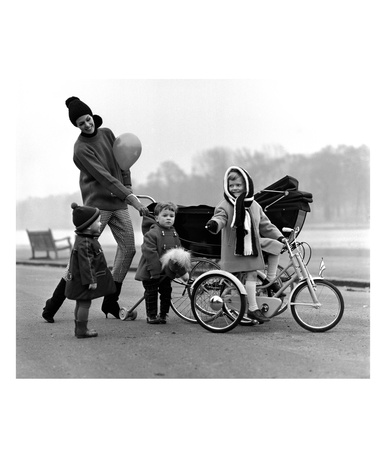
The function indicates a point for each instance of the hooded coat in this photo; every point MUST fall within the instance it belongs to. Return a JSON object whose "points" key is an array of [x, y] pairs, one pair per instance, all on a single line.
{"points": [[264, 229]]}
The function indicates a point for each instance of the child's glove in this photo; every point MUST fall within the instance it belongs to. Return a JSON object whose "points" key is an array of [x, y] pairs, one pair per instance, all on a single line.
{"points": [[211, 226]]}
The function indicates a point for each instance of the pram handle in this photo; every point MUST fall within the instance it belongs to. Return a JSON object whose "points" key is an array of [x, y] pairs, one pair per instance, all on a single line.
{"points": [[285, 193], [147, 197]]}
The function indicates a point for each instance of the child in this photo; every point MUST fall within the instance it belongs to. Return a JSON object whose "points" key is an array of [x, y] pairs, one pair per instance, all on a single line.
{"points": [[247, 232], [89, 276], [155, 277]]}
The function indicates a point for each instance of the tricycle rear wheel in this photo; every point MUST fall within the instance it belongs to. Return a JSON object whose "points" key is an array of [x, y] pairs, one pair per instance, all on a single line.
{"points": [[217, 302]]}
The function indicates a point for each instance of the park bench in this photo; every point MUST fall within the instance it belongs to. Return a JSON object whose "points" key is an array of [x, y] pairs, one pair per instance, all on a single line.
{"points": [[43, 241]]}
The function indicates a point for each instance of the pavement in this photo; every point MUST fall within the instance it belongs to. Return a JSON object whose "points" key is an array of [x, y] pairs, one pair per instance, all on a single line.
{"points": [[180, 349]]}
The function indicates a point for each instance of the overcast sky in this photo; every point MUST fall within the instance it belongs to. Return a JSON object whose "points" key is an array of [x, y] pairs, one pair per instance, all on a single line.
{"points": [[177, 119]]}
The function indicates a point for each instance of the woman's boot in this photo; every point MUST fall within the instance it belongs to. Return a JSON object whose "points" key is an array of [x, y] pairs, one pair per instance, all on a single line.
{"points": [[110, 302], [81, 330], [55, 302]]}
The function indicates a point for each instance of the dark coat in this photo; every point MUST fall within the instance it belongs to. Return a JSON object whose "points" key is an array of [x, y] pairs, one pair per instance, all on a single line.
{"points": [[155, 243], [87, 266]]}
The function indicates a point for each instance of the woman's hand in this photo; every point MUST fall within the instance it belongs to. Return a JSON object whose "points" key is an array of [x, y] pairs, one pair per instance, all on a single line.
{"points": [[143, 211], [92, 286], [135, 203]]}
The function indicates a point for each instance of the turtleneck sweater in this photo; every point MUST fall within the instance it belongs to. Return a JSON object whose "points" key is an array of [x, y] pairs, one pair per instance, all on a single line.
{"points": [[102, 183]]}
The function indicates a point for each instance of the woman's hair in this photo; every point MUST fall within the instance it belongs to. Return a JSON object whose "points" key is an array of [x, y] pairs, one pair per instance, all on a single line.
{"points": [[165, 205]]}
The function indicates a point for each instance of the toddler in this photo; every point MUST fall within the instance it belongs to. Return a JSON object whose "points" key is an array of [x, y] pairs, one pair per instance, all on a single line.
{"points": [[89, 277], [155, 276]]}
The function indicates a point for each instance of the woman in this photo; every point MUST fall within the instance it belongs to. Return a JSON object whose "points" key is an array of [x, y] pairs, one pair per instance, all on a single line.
{"points": [[104, 186]]}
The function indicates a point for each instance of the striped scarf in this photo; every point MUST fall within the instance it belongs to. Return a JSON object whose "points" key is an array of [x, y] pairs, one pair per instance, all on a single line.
{"points": [[245, 234]]}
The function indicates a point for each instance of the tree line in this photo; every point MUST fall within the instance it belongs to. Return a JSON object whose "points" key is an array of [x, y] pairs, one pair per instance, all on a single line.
{"points": [[338, 178]]}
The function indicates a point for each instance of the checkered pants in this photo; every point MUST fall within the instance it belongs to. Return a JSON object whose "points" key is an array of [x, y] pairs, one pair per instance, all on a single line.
{"points": [[152, 287], [121, 228]]}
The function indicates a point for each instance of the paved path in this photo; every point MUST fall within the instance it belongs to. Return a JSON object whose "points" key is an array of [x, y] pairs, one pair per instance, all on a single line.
{"points": [[134, 349]]}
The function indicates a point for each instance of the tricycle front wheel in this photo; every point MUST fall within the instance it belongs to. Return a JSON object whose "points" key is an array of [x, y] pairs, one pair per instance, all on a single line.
{"points": [[317, 317]]}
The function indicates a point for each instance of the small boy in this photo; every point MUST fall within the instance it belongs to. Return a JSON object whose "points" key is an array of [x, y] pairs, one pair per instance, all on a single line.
{"points": [[157, 242], [89, 276]]}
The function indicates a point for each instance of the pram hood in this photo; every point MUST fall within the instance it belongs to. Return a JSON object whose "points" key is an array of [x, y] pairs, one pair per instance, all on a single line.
{"points": [[284, 193]]}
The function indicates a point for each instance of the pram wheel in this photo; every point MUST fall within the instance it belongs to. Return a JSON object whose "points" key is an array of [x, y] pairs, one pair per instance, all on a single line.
{"points": [[182, 292], [218, 301], [125, 314]]}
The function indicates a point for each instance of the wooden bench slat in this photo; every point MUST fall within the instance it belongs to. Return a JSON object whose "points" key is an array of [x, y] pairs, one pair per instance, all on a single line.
{"points": [[43, 241]]}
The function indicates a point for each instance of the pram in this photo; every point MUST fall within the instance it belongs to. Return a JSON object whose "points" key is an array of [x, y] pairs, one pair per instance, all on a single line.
{"points": [[283, 203]]}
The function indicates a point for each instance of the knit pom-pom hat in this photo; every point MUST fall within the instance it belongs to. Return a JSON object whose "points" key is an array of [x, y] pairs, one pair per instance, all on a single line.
{"points": [[77, 108], [83, 216]]}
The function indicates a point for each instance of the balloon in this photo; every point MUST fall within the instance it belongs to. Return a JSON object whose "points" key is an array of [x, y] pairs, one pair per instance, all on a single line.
{"points": [[127, 149]]}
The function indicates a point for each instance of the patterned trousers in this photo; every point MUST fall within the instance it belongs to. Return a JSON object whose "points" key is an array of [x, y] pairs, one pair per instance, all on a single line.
{"points": [[121, 228], [152, 288]]}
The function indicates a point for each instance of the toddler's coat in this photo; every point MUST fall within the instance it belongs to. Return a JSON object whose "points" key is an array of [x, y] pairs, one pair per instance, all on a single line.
{"points": [[88, 265], [155, 243]]}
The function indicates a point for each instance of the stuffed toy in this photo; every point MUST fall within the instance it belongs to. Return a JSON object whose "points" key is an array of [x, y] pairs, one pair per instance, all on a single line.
{"points": [[176, 263]]}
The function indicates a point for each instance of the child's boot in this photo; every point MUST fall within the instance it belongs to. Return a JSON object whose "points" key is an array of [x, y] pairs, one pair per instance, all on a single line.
{"points": [[81, 330], [253, 311], [163, 317], [55, 302], [275, 287]]}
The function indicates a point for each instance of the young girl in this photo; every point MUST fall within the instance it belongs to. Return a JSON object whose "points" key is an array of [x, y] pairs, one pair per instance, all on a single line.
{"points": [[160, 238], [246, 232], [88, 274], [105, 186]]}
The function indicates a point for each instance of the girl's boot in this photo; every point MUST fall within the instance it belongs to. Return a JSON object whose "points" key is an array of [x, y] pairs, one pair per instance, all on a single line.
{"points": [[55, 302], [110, 302], [81, 330]]}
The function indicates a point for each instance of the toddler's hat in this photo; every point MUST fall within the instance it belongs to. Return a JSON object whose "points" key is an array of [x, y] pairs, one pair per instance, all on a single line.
{"points": [[83, 216]]}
